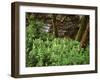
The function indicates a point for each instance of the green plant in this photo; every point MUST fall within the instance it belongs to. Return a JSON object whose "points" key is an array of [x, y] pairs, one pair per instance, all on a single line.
{"points": [[57, 52]]}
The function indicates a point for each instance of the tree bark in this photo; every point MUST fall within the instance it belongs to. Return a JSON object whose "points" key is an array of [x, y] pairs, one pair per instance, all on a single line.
{"points": [[85, 37], [82, 27], [55, 28]]}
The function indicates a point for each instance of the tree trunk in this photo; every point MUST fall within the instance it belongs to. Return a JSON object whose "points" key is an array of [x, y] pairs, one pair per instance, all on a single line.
{"points": [[85, 37], [82, 27], [55, 28]]}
